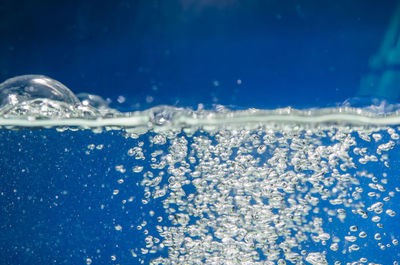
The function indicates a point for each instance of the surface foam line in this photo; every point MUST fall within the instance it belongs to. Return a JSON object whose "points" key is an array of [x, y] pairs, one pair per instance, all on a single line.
{"points": [[226, 119]]}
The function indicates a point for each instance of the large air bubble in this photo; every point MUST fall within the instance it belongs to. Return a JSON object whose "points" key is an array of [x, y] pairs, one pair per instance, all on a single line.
{"points": [[29, 87], [37, 97]]}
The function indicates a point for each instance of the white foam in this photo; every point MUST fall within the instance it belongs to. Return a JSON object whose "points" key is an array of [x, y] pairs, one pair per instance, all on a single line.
{"points": [[39, 101], [184, 118]]}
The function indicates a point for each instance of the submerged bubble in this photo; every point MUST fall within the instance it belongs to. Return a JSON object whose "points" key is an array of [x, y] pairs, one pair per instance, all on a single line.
{"points": [[316, 258], [226, 187]]}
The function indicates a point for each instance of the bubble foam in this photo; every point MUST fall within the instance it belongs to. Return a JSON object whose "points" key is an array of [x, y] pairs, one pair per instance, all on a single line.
{"points": [[39, 101], [281, 186]]}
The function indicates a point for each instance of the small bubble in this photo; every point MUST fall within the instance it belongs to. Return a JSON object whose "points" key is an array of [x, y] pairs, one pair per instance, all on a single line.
{"points": [[120, 168], [334, 246], [353, 228], [261, 149], [362, 234], [137, 169], [159, 139], [390, 212], [91, 146], [99, 147], [149, 99], [376, 219], [354, 247], [350, 238], [121, 99]]}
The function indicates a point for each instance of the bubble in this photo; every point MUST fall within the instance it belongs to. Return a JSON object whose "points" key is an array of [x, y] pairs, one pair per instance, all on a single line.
{"points": [[137, 169], [159, 139], [354, 247], [121, 99], [350, 238], [334, 247], [161, 115], [353, 228], [28, 87], [316, 258], [378, 236], [376, 219], [390, 212], [91, 146], [92, 100], [99, 147], [237, 193], [120, 168], [362, 234]]}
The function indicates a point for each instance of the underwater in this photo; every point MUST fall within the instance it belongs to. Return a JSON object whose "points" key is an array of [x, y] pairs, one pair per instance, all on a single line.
{"points": [[200, 132]]}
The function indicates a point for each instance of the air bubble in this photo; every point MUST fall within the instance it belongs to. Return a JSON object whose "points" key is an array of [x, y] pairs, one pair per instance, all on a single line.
{"points": [[137, 169], [29, 87], [334, 247], [362, 234], [93, 101], [390, 212], [353, 228]]}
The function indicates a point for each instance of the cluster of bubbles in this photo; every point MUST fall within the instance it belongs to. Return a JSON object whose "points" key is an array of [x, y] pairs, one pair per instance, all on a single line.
{"points": [[250, 187], [275, 194], [40, 97]]}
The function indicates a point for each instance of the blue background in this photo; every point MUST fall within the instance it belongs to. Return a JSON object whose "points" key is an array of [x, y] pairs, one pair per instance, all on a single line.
{"points": [[184, 52], [179, 52], [58, 206]]}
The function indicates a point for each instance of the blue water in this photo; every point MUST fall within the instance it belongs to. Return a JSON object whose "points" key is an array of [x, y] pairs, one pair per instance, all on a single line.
{"points": [[298, 53], [59, 204], [60, 200]]}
